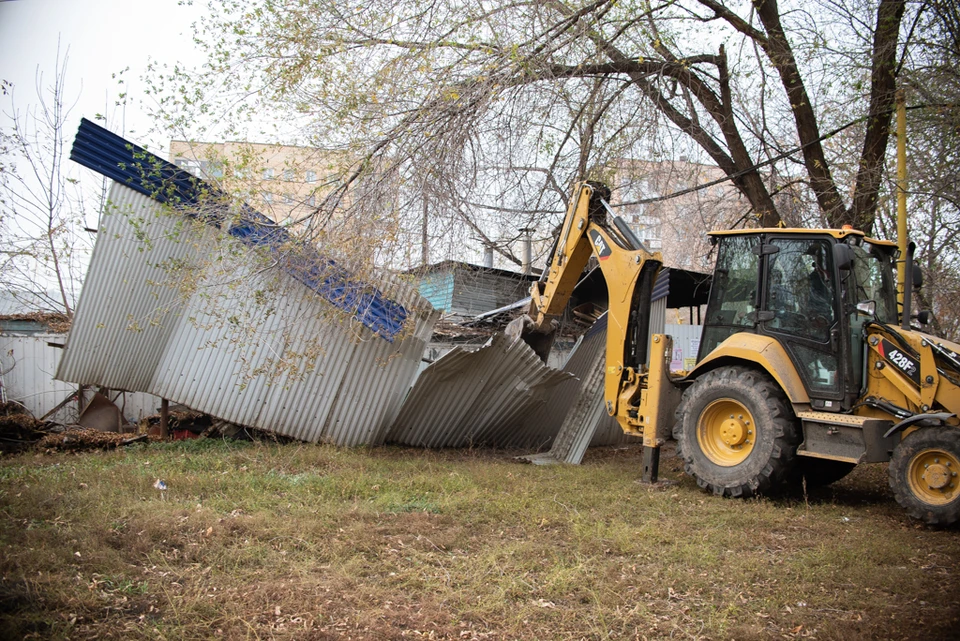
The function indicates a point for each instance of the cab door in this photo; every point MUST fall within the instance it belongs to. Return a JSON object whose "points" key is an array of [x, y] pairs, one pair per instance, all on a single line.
{"points": [[799, 304]]}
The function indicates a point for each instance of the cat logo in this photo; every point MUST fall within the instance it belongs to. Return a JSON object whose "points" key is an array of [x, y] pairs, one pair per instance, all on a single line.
{"points": [[600, 246]]}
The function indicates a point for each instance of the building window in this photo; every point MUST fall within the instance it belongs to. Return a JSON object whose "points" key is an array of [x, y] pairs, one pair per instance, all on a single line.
{"points": [[268, 173], [288, 199], [311, 201], [195, 167], [288, 175], [311, 176], [267, 197]]}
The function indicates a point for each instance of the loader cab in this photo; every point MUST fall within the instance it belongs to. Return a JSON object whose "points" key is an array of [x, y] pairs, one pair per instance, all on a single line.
{"points": [[802, 288]]}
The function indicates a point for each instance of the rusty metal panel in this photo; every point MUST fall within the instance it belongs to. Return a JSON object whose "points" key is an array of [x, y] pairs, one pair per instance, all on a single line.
{"points": [[253, 348], [477, 398]]}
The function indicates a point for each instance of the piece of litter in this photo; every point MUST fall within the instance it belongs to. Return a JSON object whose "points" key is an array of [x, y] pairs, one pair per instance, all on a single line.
{"points": [[160, 485]]}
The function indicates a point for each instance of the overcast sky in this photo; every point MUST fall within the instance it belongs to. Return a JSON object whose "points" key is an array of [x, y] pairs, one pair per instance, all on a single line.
{"points": [[104, 37]]}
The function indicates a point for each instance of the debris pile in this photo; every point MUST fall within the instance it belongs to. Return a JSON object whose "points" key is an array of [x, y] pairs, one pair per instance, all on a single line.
{"points": [[75, 439], [18, 428], [55, 322]]}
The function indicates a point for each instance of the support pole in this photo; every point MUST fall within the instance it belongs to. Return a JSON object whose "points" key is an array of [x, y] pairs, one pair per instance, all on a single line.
{"points": [[164, 418], [651, 464], [425, 233], [902, 239]]}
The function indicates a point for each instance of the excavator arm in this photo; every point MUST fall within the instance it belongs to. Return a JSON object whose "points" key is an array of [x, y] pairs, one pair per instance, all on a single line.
{"points": [[629, 269]]}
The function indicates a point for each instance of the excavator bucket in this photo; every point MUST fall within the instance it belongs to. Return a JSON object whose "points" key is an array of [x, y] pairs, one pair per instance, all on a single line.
{"points": [[539, 339]]}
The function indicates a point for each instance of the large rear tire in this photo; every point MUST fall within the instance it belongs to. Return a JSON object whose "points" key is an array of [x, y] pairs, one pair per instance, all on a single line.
{"points": [[924, 475], [736, 432]]}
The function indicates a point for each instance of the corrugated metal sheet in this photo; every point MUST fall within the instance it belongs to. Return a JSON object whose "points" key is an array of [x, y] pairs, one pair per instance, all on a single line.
{"points": [[27, 366], [334, 367], [686, 342], [480, 397], [282, 360], [597, 428], [583, 416], [605, 430], [661, 286], [148, 175]]}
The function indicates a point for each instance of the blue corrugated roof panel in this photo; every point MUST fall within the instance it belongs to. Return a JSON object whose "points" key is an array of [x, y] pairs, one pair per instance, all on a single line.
{"points": [[132, 166]]}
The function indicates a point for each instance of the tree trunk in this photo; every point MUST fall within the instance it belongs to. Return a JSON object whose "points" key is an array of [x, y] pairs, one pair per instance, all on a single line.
{"points": [[882, 97]]}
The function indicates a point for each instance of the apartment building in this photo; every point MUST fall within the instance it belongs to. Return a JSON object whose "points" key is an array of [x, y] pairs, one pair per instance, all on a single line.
{"points": [[283, 182]]}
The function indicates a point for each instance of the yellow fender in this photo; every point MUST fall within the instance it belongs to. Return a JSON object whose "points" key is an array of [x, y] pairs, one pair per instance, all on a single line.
{"points": [[763, 352]]}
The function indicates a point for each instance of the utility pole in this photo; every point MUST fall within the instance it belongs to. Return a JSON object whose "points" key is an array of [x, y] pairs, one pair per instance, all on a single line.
{"points": [[902, 239]]}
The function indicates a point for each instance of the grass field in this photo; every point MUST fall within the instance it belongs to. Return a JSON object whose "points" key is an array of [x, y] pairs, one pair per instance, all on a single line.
{"points": [[263, 541]]}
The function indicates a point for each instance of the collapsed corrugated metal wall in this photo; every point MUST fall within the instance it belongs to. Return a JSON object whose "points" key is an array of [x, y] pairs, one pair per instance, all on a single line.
{"points": [[222, 313], [225, 337], [478, 398]]}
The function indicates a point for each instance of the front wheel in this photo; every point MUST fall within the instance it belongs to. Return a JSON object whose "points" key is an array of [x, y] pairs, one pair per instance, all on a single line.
{"points": [[923, 475], [736, 432]]}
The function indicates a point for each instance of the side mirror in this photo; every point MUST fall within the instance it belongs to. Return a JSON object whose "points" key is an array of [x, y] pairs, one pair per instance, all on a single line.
{"points": [[843, 256], [923, 317], [868, 307], [917, 276]]}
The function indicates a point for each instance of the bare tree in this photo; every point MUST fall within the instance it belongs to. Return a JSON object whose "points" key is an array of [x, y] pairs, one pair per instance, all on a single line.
{"points": [[501, 106], [43, 250]]}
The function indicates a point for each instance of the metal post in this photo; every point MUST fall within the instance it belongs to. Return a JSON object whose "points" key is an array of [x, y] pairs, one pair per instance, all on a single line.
{"points": [[527, 250], [902, 199], [424, 234], [164, 418]]}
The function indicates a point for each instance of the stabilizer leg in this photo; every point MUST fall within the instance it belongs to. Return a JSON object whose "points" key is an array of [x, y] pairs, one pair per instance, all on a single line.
{"points": [[651, 464]]}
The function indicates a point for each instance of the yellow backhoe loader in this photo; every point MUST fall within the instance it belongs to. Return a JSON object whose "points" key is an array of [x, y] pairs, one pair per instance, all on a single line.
{"points": [[805, 367]]}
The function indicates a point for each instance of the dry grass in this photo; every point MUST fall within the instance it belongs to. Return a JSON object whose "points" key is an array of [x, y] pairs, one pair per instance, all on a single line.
{"points": [[290, 541]]}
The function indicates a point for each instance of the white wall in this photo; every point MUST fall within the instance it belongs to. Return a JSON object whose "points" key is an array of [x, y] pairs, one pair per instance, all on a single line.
{"points": [[27, 366], [686, 342]]}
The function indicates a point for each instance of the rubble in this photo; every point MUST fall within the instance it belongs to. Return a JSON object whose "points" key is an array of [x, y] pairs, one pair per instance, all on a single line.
{"points": [[80, 438], [18, 428]]}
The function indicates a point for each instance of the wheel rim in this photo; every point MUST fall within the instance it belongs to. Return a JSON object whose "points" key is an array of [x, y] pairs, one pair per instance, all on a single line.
{"points": [[932, 476], [726, 432]]}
